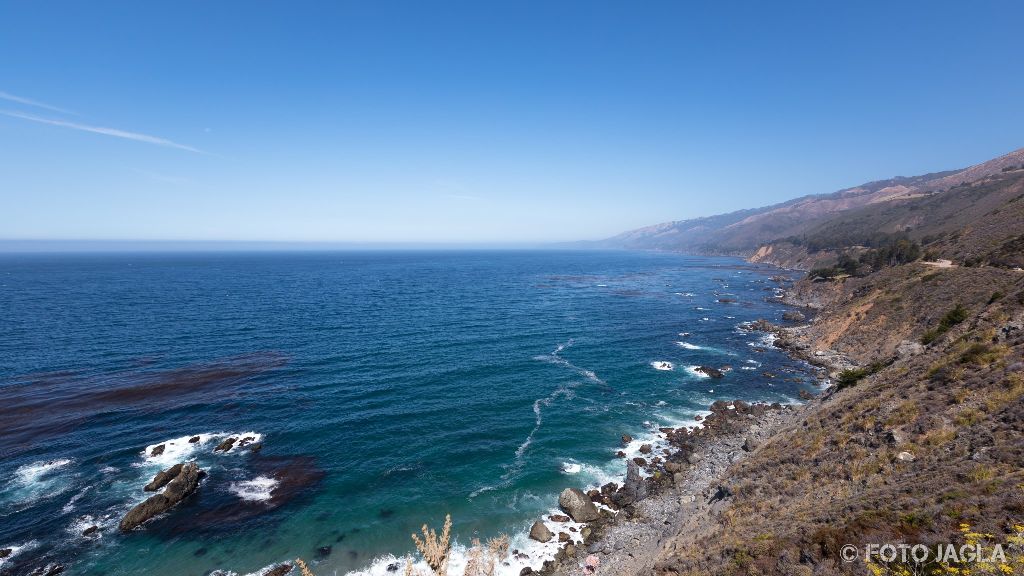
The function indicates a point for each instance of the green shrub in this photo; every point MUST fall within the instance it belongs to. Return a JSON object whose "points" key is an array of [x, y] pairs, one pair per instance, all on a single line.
{"points": [[851, 376], [955, 316], [997, 295]]}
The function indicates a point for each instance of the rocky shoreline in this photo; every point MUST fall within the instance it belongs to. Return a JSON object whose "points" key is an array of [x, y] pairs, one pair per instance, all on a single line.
{"points": [[691, 483], [674, 506]]}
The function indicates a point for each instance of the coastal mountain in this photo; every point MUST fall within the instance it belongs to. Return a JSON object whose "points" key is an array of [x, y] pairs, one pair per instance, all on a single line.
{"points": [[883, 202]]}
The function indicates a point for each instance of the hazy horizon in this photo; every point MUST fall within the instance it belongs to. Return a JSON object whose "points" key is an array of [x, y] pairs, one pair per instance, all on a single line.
{"points": [[467, 124]]}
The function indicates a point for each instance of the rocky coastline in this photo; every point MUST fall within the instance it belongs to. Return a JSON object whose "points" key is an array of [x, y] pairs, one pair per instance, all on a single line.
{"points": [[639, 518], [690, 485]]}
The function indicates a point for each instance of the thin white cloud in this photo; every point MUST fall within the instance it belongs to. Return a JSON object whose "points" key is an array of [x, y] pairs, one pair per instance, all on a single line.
{"points": [[101, 130], [29, 102]]}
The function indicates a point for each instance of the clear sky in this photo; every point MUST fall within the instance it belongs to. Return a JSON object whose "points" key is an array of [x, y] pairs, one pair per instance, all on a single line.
{"points": [[480, 121]]}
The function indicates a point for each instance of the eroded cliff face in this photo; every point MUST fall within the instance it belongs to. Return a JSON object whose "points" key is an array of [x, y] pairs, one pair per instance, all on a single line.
{"points": [[924, 434], [786, 255]]}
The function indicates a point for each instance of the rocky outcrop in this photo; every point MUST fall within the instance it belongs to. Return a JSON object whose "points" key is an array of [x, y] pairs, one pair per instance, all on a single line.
{"points": [[709, 371], [163, 477], [578, 505], [183, 485], [226, 445], [157, 450]]}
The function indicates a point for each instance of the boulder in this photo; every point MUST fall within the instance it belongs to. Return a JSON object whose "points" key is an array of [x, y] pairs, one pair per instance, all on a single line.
{"points": [[626, 439], [645, 449], [157, 450], [578, 505], [163, 477], [178, 489], [226, 445], [526, 571], [563, 536], [907, 348], [255, 448], [793, 316], [620, 454], [559, 518], [540, 532], [905, 457], [640, 462], [91, 531], [193, 440], [5, 552]]}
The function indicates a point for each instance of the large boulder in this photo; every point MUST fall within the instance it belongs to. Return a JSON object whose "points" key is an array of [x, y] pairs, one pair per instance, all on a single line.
{"points": [[163, 477], [578, 505], [540, 532], [178, 489]]}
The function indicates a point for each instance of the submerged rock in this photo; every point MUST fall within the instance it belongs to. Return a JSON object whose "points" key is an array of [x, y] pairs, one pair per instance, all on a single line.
{"points": [[178, 489], [578, 505], [162, 478], [540, 532], [279, 570], [48, 570]]}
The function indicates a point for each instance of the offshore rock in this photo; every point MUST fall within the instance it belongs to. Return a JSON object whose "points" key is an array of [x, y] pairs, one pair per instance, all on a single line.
{"points": [[178, 489], [163, 477]]}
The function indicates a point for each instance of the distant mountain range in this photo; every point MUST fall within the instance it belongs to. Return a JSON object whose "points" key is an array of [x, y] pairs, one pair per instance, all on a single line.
{"points": [[979, 201]]}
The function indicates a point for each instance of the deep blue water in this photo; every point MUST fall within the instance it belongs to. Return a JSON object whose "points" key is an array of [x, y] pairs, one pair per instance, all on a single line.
{"points": [[386, 388]]}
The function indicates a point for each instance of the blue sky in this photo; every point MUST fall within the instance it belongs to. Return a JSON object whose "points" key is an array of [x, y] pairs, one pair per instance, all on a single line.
{"points": [[479, 121]]}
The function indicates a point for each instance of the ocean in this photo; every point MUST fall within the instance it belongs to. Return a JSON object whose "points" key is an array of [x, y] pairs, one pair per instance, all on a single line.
{"points": [[385, 389]]}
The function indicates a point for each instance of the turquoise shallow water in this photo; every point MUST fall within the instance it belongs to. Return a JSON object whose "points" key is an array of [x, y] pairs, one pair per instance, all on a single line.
{"points": [[387, 388]]}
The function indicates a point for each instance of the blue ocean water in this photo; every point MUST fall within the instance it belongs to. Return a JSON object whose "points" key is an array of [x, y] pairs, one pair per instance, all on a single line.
{"points": [[386, 389]]}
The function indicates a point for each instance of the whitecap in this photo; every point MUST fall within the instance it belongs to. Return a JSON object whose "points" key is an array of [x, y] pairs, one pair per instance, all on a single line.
{"points": [[571, 468], [37, 480], [31, 473], [259, 489], [689, 346]]}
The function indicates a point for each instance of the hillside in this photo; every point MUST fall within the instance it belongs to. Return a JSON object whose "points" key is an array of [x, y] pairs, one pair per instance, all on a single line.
{"points": [[745, 232]]}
